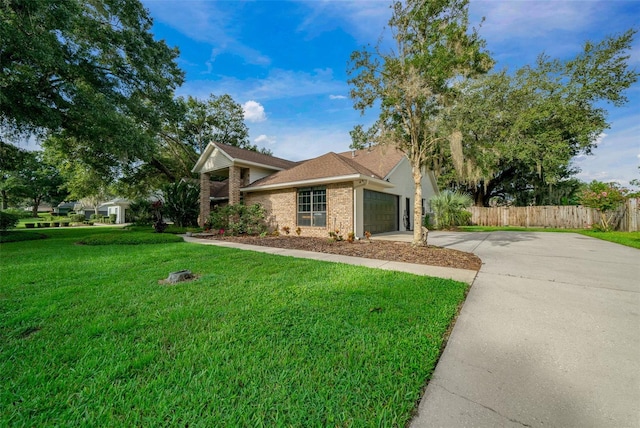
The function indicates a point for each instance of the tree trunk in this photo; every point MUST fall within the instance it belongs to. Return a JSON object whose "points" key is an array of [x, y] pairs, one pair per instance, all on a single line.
{"points": [[5, 202], [34, 210], [418, 240]]}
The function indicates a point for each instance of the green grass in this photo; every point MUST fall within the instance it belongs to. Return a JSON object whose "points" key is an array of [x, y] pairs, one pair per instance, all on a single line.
{"points": [[88, 337], [630, 239], [125, 237]]}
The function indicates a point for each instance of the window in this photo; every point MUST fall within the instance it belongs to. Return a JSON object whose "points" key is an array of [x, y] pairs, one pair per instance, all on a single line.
{"points": [[312, 207]]}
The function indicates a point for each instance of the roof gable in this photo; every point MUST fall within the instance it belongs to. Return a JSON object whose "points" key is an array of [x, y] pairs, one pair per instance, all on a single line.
{"points": [[217, 156]]}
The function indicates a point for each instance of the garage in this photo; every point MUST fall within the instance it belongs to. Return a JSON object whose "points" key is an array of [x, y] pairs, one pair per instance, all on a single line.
{"points": [[380, 212]]}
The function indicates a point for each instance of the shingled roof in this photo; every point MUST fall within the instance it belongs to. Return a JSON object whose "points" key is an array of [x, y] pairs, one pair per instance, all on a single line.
{"points": [[328, 166], [255, 157], [379, 159]]}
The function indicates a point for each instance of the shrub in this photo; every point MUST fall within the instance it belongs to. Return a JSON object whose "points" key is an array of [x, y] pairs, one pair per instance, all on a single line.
{"points": [[77, 218], [139, 213], [182, 203], [112, 218], [238, 219], [8, 220], [604, 197], [18, 213], [449, 209]]}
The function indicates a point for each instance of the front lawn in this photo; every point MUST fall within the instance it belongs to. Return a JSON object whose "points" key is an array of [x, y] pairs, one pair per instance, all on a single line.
{"points": [[90, 338], [630, 239]]}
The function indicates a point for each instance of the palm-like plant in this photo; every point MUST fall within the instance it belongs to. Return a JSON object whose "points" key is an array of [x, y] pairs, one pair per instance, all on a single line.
{"points": [[449, 209]]}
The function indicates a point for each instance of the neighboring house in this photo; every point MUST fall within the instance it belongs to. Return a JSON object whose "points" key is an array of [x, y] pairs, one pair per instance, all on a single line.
{"points": [[362, 190], [118, 207], [63, 208], [89, 210]]}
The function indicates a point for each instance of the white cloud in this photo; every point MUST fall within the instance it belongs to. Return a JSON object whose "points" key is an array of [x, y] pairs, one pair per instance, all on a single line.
{"points": [[337, 97], [254, 111], [264, 140]]}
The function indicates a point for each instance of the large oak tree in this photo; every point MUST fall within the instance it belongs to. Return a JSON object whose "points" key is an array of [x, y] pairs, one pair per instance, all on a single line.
{"points": [[514, 135]]}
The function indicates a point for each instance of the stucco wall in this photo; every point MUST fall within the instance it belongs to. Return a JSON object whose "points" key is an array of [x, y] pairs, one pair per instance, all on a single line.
{"points": [[402, 179]]}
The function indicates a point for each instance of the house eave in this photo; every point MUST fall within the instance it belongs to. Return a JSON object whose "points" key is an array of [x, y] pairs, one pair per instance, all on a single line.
{"points": [[317, 182]]}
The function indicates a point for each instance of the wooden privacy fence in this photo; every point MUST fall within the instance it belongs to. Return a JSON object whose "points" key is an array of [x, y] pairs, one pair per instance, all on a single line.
{"points": [[562, 217]]}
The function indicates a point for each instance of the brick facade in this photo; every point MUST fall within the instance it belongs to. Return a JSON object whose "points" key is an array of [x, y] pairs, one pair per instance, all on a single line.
{"points": [[235, 182], [281, 209], [205, 204]]}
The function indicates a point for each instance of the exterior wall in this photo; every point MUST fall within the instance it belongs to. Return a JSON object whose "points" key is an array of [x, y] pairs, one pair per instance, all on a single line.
{"points": [[205, 194], [235, 182], [281, 209], [339, 209], [256, 173], [279, 206], [402, 179]]}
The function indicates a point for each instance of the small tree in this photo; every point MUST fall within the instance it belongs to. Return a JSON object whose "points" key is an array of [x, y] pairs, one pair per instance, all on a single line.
{"points": [[413, 82], [604, 197]]}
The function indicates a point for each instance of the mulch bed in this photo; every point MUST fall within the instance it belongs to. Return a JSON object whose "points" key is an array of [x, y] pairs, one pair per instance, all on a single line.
{"points": [[372, 249]]}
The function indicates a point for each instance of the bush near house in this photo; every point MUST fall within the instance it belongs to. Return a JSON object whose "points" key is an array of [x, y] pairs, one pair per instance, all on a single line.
{"points": [[449, 209], [238, 219]]}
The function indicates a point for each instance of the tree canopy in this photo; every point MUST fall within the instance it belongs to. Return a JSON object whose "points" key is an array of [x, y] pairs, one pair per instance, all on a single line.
{"points": [[88, 70], [513, 136]]}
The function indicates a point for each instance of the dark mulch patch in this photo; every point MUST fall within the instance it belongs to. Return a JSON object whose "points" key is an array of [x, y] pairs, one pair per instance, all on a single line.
{"points": [[373, 249]]}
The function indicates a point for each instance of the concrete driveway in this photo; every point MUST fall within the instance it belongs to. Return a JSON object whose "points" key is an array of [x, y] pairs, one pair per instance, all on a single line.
{"points": [[548, 336]]}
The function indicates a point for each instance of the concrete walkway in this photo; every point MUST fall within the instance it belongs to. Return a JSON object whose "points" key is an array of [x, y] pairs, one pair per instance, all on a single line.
{"points": [[549, 336], [462, 275]]}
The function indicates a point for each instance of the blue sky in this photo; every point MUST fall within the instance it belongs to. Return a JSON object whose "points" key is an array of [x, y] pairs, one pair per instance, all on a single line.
{"points": [[285, 62]]}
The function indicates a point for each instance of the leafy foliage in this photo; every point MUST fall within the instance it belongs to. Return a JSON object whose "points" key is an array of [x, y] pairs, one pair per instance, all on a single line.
{"points": [[90, 71], [605, 197], [8, 220], [449, 209], [157, 208], [21, 214], [238, 219], [513, 136], [182, 203], [36, 181], [139, 212]]}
